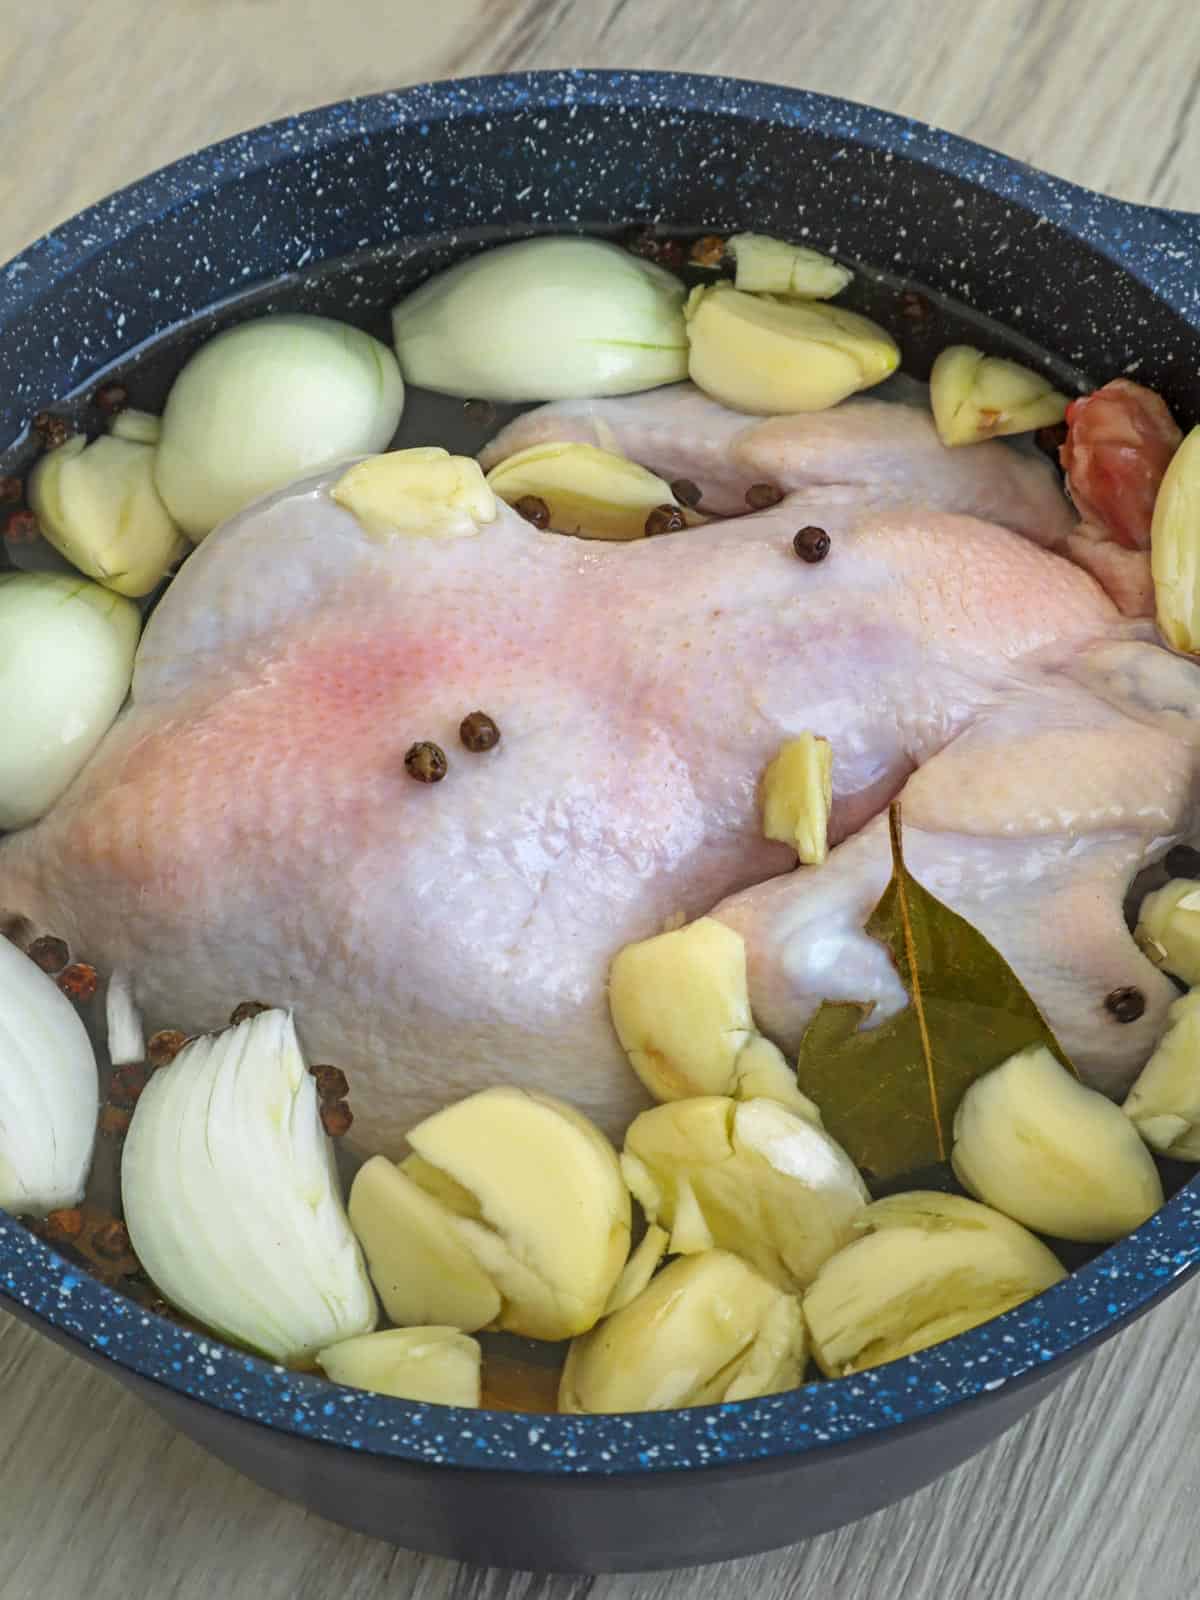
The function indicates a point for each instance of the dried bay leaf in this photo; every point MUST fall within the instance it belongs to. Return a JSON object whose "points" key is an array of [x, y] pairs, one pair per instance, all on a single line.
{"points": [[888, 1094]]}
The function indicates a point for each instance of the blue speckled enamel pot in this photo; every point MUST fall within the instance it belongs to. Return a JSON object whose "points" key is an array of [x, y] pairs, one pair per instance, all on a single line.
{"points": [[1105, 286]]}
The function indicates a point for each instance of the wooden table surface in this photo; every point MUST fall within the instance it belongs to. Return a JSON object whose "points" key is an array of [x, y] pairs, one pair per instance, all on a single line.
{"points": [[1093, 1498]]}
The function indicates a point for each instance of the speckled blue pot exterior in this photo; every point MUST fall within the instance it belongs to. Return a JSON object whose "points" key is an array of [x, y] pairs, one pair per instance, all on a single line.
{"points": [[1109, 287]]}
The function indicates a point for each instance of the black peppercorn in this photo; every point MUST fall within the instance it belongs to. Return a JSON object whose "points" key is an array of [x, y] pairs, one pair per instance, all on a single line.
{"points": [[481, 412], [665, 519], [686, 492], [1126, 1004], [761, 496], [811, 544], [534, 509], [478, 732], [426, 762]]}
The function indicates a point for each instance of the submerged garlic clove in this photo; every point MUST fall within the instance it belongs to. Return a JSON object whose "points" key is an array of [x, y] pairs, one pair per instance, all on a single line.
{"points": [[589, 492], [422, 1270], [49, 1091], [97, 505], [433, 1365], [423, 493], [265, 403], [797, 797], [123, 1022], [680, 1004], [66, 661], [707, 1329], [767, 356], [751, 1178], [928, 1266], [1175, 548], [977, 397], [139, 427], [1164, 1103], [547, 1216], [232, 1198], [544, 319], [1168, 928], [772, 266], [1035, 1143]]}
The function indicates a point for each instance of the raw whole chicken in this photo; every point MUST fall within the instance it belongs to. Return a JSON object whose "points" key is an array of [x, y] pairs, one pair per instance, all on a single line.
{"points": [[248, 829]]}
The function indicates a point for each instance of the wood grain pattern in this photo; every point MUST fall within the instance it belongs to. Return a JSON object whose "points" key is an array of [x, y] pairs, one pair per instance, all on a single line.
{"points": [[1091, 1499]]}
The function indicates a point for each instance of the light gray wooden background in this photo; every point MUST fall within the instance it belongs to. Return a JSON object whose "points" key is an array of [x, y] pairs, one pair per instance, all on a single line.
{"points": [[1096, 1497]]}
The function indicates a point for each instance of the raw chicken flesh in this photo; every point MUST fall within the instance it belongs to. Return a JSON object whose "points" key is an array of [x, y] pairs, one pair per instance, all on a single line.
{"points": [[248, 830]]}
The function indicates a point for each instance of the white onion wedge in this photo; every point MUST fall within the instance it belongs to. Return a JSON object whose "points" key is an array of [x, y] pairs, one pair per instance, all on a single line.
{"points": [[232, 1197], [48, 1090]]}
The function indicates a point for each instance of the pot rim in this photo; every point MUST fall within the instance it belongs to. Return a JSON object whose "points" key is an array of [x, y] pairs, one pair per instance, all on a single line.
{"points": [[1086, 1307]]}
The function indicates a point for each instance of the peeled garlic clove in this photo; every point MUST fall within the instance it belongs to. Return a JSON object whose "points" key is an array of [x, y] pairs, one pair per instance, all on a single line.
{"points": [[553, 1224], [544, 319], [797, 797], [421, 1269], [767, 356], [930, 1266], [232, 1199], [98, 506], [681, 1007], [1164, 1103], [1032, 1141], [66, 661], [424, 493], [123, 1022], [771, 266], [764, 1074], [48, 1091], [639, 1269], [707, 1329], [588, 492], [268, 402], [1169, 925], [750, 1178], [977, 397], [1175, 548], [437, 1366], [139, 427]]}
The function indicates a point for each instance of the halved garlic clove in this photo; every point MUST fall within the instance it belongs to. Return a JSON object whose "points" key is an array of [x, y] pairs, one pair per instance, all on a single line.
{"points": [[707, 1329], [49, 1091], [97, 505], [1164, 1103], [1033, 1142], [551, 1216], [680, 1004], [797, 797], [928, 1267], [1168, 928], [1175, 548], [750, 1178], [765, 355], [422, 493], [423, 1271], [232, 1199], [639, 1269], [589, 492], [436, 1366], [977, 397], [771, 266]]}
